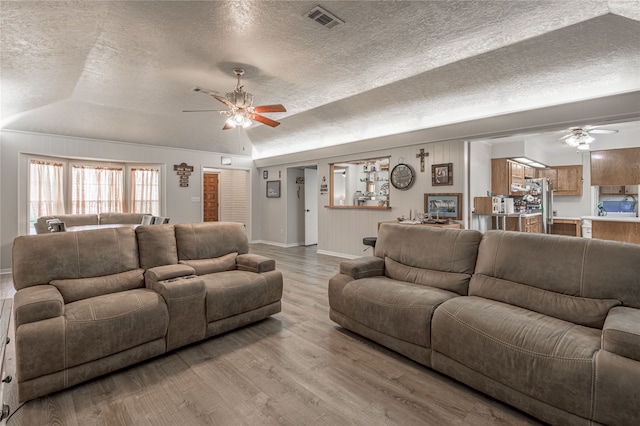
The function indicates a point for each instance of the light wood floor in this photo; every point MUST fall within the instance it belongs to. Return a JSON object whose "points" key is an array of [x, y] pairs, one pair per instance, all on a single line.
{"points": [[296, 368]]}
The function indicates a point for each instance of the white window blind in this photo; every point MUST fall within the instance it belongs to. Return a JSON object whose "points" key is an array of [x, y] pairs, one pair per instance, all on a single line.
{"points": [[234, 196]]}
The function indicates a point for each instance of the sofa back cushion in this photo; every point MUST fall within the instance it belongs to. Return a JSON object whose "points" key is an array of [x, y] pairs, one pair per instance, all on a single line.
{"points": [[580, 267], [68, 219], [208, 240], [120, 218], [84, 288], [40, 259], [157, 245], [443, 258], [578, 310]]}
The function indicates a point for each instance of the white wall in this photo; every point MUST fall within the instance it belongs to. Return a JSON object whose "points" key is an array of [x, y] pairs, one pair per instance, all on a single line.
{"points": [[341, 230], [295, 207], [177, 201]]}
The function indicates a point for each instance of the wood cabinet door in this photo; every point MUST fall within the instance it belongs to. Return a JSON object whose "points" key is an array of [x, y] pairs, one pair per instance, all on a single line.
{"points": [[550, 173], [615, 167], [631, 189], [569, 180], [210, 195], [611, 190]]}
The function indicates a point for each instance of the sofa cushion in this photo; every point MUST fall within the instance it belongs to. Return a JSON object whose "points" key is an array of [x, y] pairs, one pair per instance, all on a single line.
{"points": [[540, 356], [120, 218], [437, 249], [207, 240], [395, 308], [579, 310], [83, 288], [40, 259], [105, 325], [236, 292], [157, 245], [573, 266], [458, 283], [210, 266], [621, 332]]}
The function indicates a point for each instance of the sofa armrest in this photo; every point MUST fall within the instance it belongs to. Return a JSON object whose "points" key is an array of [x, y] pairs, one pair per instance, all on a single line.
{"points": [[185, 299], [255, 263], [363, 267], [37, 303], [166, 272], [621, 332]]}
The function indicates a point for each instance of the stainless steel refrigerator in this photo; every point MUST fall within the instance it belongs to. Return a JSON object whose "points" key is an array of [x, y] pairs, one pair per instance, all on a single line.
{"points": [[539, 198]]}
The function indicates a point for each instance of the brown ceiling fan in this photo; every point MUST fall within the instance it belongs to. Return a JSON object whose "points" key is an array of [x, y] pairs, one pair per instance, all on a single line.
{"points": [[241, 112]]}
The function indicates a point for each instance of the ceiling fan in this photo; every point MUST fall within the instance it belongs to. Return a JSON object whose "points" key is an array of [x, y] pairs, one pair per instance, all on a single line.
{"points": [[241, 111], [580, 137]]}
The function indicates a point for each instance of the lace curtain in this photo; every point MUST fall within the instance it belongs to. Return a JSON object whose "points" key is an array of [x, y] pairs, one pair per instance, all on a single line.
{"points": [[145, 191], [46, 192], [96, 189]]}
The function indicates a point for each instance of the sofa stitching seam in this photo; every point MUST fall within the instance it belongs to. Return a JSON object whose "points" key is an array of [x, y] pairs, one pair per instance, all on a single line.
{"points": [[539, 355], [594, 386]]}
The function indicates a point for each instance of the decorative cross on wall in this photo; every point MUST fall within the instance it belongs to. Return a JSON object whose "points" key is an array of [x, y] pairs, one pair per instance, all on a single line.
{"points": [[184, 171], [422, 155]]}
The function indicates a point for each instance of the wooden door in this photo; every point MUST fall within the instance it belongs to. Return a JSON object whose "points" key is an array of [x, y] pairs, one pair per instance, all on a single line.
{"points": [[210, 197]]}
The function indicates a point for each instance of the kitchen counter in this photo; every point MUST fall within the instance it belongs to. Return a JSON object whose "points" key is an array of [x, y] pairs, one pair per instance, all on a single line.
{"points": [[613, 218]]}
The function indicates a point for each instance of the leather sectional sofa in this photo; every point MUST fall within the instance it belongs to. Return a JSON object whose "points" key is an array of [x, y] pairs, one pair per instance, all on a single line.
{"points": [[548, 324], [89, 219], [91, 302]]}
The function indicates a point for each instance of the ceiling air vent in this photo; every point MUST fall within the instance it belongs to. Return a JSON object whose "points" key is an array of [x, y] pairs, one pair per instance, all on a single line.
{"points": [[324, 18]]}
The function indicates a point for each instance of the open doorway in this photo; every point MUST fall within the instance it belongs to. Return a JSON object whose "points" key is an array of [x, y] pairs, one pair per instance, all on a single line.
{"points": [[302, 205]]}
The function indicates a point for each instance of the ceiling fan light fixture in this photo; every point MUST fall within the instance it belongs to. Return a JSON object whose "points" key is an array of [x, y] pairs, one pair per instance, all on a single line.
{"points": [[247, 123], [583, 146], [231, 122]]}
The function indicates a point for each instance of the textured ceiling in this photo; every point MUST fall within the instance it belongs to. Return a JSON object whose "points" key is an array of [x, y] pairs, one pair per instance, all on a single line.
{"points": [[123, 70]]}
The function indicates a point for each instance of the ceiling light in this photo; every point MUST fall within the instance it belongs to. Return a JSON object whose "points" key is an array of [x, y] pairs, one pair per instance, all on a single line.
{"points": [[231, 122]]}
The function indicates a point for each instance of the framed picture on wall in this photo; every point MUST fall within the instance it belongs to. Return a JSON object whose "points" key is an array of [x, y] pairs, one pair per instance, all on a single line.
{"points": [[273, 189], [447, 206], [442, 174]]}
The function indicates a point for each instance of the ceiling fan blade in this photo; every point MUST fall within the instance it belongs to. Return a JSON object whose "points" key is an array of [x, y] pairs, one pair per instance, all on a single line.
{"points": [[603, 131], [270, 108], [203, 90], [224, 101], [202, 110], [264, 120]]}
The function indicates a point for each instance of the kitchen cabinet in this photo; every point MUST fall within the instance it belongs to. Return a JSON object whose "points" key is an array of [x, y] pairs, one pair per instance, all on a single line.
{"points": [[566, 227], [569, 180], [565, 180], [531, 224], [619, 190], [615, 167], [628, 232], [505, 173]]}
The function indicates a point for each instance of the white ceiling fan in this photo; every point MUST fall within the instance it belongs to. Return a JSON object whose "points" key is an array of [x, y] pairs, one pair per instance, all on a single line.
{"points": [[241, 111], [580, 137]]}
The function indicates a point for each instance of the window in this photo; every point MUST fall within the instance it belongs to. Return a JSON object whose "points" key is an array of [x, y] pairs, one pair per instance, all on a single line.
{"points": [[145, 191], [96, 189], [46, 189]]}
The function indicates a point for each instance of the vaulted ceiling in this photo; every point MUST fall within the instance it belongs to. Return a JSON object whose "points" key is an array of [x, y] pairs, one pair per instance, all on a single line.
{"points": [[124, 70]]}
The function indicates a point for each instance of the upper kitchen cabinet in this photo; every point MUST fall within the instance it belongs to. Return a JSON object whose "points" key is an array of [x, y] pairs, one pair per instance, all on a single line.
{"points": [[504, 174], [568, 181], [615, 167], [619, 190], [565, 180]]}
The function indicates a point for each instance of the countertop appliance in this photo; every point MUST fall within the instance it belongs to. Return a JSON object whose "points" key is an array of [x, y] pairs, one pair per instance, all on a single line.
{"points": [[539, 199]]}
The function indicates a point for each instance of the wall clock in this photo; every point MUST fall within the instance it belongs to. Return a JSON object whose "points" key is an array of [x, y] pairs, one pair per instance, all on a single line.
{"points": [[402, 176]]}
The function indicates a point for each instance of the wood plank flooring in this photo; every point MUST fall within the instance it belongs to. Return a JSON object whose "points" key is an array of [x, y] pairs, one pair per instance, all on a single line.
{"points": [[295, 368]]}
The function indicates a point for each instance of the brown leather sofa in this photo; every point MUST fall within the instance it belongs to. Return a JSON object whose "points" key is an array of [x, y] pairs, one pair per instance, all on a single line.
{"points": [[91, 302], [549, 324], [71, 220]]}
